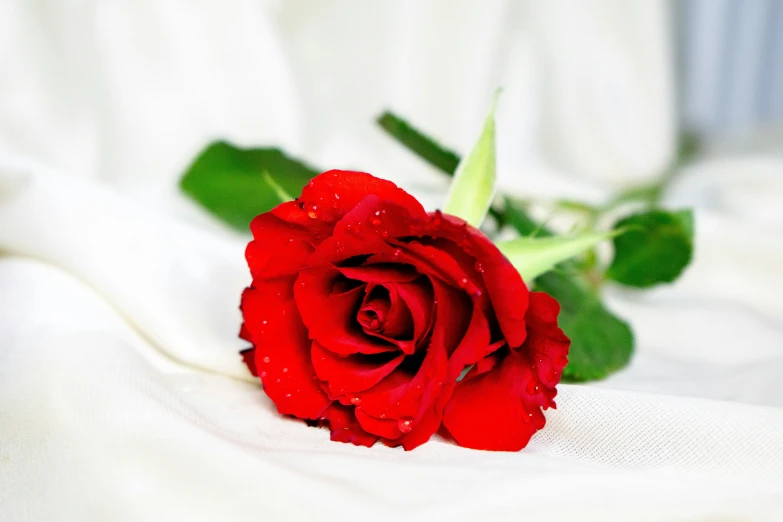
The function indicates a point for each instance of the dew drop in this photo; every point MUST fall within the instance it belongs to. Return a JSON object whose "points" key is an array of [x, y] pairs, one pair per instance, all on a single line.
{"points": [[527, 419], [479, 267], [262, 374], [313, 212], [264, 321], [336, 196], [285, 370], [265, 359], [532, 387], [463, 282], [383, 415], [356, 401], [287, 395], [396, 253], [384, 234], [405, 424], [277, 381]]}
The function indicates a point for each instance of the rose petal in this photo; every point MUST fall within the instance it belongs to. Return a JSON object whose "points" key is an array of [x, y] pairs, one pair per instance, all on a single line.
{"points": [[345, 428], [335, 193], [366, 230], [278, 248], [331, 317], [352, 373], [493, 410], [384, 312], [385, 428], [546, 346], [498, 404], [282, 350], [418, 297], [507, 291]]}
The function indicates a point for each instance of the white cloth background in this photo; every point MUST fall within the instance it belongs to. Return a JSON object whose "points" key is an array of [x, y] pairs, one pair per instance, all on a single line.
{"points": [[121, 395]]}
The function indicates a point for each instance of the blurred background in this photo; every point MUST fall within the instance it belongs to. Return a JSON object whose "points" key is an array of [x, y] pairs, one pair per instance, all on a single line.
{"points": [[596, 93]]}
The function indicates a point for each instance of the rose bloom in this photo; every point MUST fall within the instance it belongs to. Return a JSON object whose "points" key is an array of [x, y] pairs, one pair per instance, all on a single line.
{"points": [[383, 322]]}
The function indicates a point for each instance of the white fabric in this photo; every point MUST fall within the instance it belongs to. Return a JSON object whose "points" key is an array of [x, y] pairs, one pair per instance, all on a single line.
{"points": [[121, 395]]}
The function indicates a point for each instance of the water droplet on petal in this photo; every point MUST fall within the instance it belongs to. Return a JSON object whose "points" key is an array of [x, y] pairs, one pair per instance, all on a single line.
{"points": [[463, 282], [532, 387], [479, 267], [287, 395], [264, 321], [384, 234], [313, 212], [265, 359], [396, 253], [383, 415], [277, 381], [285, 370], [262, 374], [356, 401], [336, 196], [405, 424], [526, 418]]}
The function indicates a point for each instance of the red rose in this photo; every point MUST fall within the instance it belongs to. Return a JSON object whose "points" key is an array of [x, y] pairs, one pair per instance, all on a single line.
{"points": [[365, 310]]}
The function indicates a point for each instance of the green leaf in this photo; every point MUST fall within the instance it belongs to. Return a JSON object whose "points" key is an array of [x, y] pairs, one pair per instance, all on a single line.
{"points": [[473, 187], [237, 184], [281, 194], [601, 343], [533, 256], [426, 148], [656, 248]]}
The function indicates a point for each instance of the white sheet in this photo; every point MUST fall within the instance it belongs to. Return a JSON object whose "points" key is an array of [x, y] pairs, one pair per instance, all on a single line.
{"points": [[121, 395]]}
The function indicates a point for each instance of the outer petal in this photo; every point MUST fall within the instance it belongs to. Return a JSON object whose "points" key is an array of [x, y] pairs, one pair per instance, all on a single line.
{"points": [[493, 410], [546, 346], [278, 248], [345, 427], [282, 350], [333, 194], [498, 404]]}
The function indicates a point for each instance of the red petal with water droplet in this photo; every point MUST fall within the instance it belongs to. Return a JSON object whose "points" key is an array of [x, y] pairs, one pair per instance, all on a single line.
{"points": [[278, 248], [345, 427], [497, 406], [351, 188], [491, 411], [507, 291], [282, 350]]}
